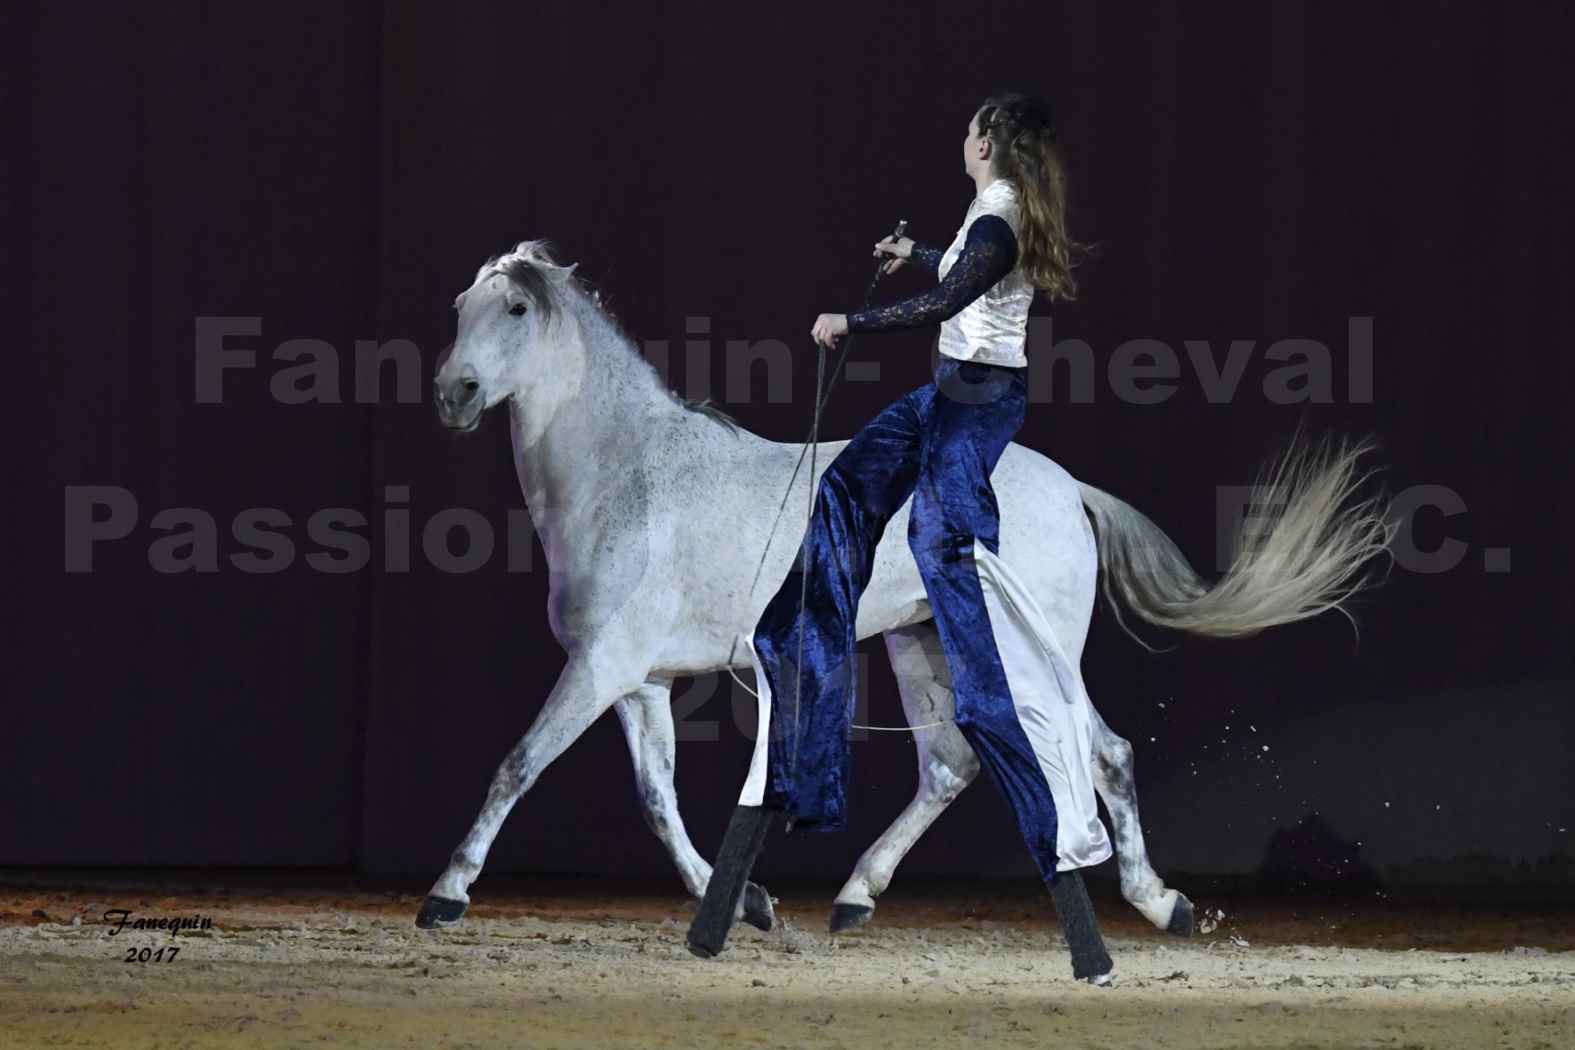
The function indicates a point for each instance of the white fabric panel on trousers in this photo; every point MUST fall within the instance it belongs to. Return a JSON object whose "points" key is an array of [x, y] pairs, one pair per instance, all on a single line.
{"points": [[754, 792], [1053, 708]]}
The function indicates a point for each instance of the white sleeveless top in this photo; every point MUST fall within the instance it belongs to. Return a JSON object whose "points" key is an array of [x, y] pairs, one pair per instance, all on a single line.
{"points": [[993, 329]]}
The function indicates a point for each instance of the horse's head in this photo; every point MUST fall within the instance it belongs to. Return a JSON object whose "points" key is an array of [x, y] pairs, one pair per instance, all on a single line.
{"points": [[503, 321]]}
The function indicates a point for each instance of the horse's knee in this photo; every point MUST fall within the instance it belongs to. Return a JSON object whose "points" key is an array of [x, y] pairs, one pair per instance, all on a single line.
{"points": [[943, 777], [509, 779], [519, 771]]}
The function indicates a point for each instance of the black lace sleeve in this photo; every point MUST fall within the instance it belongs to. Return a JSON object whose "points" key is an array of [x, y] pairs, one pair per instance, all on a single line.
{"points": [[928, 257], [988, 254]]}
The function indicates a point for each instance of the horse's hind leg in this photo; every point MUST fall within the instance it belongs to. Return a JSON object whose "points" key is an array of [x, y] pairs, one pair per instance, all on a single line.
{"points": [[947, 764], [647, 718], [1142, 887]]}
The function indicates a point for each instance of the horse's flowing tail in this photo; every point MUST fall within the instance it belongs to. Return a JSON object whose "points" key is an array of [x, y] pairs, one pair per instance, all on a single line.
{"points": [[1303, 556]]}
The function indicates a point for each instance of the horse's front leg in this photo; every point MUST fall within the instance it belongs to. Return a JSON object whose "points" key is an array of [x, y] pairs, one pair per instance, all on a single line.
{"points": [[647, 718], [1142, 887], [592, 680]]}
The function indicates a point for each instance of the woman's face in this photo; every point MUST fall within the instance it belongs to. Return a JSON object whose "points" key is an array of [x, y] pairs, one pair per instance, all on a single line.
{"points": [[971, 161]]}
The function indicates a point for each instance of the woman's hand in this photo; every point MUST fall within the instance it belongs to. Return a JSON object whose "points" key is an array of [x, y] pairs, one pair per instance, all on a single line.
{"points": [[828, 328], [898, 250]]}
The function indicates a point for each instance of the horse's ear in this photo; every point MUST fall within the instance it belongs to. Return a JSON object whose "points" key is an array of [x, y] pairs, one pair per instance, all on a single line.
{"points": [[537, 251], [559, 274]]}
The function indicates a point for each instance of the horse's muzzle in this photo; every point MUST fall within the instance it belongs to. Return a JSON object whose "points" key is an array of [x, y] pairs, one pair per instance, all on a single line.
{"points": [[459, 403]]}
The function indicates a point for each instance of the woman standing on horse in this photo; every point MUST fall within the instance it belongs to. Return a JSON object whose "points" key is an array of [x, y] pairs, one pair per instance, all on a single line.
{"points": [[1019, 701]]}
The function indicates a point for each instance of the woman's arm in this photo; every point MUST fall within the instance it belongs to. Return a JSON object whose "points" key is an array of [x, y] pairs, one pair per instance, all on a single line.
{"points": [[988, 254], [926, 256]]}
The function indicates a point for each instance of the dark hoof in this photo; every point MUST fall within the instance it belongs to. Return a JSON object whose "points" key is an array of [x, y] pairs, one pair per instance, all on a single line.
{"points": [[1181, 922], [757, 908], [845, 917], [703, 951], [437, 912]]}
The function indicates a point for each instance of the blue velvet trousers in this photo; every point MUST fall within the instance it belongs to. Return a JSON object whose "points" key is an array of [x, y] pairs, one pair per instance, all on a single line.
{"points": [[939, 444]]}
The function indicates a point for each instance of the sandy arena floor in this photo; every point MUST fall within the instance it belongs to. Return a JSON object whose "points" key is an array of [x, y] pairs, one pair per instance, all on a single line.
{"points": [[564, 963]]}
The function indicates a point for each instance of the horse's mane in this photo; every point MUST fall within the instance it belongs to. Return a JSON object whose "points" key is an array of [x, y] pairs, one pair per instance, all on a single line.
{"points": [[532, 266]]}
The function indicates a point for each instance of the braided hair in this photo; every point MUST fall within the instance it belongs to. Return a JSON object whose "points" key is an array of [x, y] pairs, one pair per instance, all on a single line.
{"points": [[1024, 150]]}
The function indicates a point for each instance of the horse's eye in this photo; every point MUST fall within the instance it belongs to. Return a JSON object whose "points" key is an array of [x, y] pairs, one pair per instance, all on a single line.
{"points": [[517, 310]]}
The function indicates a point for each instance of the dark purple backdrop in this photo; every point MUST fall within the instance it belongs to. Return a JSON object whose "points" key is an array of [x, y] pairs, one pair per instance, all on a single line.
{"points": [[1253, 172]]}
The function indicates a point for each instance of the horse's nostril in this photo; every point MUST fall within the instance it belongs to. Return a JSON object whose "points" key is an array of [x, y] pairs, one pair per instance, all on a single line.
{"points": [[467, 391]]}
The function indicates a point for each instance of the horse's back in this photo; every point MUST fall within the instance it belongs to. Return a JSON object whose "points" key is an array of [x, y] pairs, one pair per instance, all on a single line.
{"points": [[1045, 538], [722, 516]]}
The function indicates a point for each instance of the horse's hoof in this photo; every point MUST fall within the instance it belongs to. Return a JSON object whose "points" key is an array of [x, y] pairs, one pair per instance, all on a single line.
{"points": [[845, 917], [757, 908], [1181, 922], [437, 912], [1101, 980], [702, 951]]}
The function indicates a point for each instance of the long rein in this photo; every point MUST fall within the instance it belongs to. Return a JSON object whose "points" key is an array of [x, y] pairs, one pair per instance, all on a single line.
{"points": [[810, 444]]}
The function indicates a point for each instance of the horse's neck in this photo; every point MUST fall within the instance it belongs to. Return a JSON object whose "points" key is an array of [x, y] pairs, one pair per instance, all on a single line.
{"points": [[582, 423]]}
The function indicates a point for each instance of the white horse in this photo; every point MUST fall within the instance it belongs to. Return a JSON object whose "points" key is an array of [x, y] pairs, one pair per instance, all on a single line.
{"points": [[654, 512]]}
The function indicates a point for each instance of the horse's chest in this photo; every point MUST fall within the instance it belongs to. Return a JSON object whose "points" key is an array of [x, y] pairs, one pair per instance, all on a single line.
{"points": [[590, 581]]}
